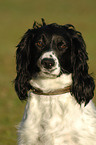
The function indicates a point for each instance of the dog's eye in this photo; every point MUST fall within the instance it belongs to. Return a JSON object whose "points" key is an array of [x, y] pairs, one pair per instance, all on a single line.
{"points": [[39, 43], [61, 45]]}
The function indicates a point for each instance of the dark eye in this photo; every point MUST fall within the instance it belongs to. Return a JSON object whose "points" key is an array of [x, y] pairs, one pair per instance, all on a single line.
{"points": [[39, 43], [61, 45]]}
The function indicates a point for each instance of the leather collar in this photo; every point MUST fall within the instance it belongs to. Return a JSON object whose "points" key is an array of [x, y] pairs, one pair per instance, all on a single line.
{"points": [[55, 92]]}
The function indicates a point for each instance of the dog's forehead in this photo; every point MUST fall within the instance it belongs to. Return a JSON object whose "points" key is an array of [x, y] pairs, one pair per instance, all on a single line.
{"points": [[53, 32]]}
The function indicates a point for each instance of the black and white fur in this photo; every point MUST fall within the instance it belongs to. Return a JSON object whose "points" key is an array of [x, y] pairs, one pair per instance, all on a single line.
{"points": [[50, 57]]}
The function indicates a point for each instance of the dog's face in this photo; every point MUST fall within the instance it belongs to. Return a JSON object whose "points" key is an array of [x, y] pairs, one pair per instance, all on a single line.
{"points": [[52, 50]]}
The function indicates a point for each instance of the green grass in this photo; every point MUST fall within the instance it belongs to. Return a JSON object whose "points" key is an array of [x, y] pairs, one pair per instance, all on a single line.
{"points": [[16, 16]]}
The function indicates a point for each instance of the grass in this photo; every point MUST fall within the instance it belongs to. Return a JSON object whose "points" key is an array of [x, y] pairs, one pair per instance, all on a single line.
{"points": [[15, 18]]}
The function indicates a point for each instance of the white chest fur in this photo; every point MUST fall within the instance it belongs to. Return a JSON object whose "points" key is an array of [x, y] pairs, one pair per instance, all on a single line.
{"points": [[57, 120]]}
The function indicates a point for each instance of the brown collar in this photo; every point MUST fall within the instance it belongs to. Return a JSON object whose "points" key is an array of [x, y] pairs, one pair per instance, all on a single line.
{"points": [[55, 92]]}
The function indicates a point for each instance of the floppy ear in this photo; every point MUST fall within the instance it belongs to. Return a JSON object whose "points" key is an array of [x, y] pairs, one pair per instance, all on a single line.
{"points": [[83, 84], [23, 57], [22, 62]]}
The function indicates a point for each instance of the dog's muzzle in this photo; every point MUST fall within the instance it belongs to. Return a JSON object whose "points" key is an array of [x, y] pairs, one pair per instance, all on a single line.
{"points": [[49, 64]]}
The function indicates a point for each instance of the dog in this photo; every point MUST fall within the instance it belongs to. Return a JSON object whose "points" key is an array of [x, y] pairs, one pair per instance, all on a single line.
{"points": [[52, 75]]}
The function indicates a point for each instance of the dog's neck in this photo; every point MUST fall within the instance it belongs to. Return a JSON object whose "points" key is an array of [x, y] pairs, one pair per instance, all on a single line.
{"points": [[60, 84], [55, 92]]}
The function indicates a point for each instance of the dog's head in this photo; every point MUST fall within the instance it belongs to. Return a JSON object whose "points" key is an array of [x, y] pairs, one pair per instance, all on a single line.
{"points": [[50, 50]]}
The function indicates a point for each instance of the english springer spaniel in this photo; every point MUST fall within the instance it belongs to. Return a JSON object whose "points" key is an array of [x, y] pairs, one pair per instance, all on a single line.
{"points": [[52, 75]]}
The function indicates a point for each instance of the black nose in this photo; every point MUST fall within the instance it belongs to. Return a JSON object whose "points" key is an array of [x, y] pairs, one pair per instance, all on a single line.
{"points": [[48, 63]]}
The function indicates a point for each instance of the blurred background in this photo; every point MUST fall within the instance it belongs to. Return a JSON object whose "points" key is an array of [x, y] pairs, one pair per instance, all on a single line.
{"points": [[16, 16]]}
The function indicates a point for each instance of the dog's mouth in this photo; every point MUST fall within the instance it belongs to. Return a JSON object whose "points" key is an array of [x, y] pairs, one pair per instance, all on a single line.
{"points": [[50, 70], [50, 73]]}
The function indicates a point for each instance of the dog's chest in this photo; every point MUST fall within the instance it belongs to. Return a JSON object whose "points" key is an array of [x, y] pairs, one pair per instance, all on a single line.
{"points": [[49, 119], [46, 108]]}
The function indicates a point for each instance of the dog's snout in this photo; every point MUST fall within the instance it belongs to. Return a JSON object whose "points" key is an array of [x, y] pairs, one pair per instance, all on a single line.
{"points": [[48, 63]]}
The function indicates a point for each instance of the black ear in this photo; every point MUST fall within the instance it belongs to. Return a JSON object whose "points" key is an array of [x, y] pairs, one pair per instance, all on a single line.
{"points": [[24, 59], [22, 62], [83, 84]]}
